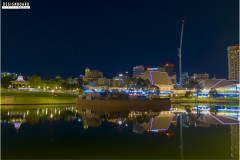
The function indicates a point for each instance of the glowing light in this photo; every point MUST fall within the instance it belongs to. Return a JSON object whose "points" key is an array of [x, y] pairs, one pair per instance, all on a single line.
{"points": [[151, 78], [119, 122], [51, 115]]}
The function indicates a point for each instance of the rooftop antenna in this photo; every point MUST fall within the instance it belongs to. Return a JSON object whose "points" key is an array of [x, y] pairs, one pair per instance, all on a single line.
{"points": [[180, 55]]}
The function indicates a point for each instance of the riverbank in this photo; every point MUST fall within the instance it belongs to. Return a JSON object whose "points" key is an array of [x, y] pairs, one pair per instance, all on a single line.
{"points": [[43, 98], [206, 100], [48, 98]]}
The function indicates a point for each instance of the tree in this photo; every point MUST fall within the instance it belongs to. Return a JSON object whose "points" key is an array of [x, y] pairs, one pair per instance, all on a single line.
{"points": [[70, 83], [131, 83], [213, 93], [35, 81], [138, 83], [188, 94], [190, 83], [6, 81]]}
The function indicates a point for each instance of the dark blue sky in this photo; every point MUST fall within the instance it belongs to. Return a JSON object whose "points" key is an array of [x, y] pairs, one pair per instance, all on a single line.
{"points": [[63, 37]]}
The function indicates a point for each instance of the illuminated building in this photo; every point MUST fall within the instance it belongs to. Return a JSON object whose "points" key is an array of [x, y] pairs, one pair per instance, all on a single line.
{"points": [[201, 76], [95, 74], [103, 81], [137, 71], [160, 79], [161, 69], [173, 79], [169, 69], [120, 80], [224, 87], [92, 75], [233, 63], [152, 69], [184, 76], [87, 72], [19, 82]]}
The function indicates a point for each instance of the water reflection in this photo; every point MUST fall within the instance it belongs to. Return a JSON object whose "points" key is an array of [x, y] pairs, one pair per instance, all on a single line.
{"points": [[177, 123], [150, 121]]}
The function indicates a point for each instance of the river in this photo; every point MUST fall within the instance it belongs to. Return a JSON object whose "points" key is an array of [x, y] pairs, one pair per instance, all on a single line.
{"points": [[65, 132]]}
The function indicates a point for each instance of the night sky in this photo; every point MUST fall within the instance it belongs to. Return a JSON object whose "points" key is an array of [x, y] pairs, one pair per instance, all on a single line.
{"points": [[63, 37]]}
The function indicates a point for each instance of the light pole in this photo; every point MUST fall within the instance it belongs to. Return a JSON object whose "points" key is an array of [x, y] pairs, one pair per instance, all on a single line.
{"points": [[52, 95]]}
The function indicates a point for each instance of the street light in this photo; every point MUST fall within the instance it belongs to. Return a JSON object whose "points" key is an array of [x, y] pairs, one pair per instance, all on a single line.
{"points": [[52, 93]]}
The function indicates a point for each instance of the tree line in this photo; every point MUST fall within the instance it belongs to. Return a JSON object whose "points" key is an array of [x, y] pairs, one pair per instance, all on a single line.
{"points": [[37, 81]]}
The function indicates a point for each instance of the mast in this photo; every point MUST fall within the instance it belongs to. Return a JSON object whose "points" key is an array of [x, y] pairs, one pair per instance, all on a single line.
{"points": [[180, 55]]}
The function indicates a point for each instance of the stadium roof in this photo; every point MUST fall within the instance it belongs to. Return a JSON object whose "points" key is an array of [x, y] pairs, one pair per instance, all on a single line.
{"points": [[218, 83], [156, 77]]}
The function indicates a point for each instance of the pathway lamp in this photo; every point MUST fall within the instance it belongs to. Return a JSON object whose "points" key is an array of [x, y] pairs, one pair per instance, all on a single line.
{"points": [[52, 93]]}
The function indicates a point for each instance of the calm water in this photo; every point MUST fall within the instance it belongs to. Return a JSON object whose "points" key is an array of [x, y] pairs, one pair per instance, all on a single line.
{"points": [[62, 132]]}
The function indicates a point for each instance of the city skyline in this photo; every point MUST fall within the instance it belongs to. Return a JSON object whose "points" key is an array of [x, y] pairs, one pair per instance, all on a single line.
{"points": [[113, 37]]}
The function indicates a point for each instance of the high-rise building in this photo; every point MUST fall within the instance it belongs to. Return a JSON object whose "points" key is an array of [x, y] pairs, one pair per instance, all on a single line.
{"points": [[169, 69], [137, 71], [184, 76], [103, 81], [94, 74], [87, 72], [233, 62]]}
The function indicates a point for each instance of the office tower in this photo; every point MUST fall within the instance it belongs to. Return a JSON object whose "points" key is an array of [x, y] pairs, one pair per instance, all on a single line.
{"points": [[233, 63], [137, 71]]}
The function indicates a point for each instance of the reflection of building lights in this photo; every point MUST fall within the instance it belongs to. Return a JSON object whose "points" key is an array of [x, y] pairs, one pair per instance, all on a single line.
{"points": [[119, 122], [27, 112], [79, 120], [8, 113], [51, 115]]}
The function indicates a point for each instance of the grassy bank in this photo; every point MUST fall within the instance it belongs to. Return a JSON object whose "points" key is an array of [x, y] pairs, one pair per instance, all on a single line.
{"points": [[205, 100], [20, 97]]}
